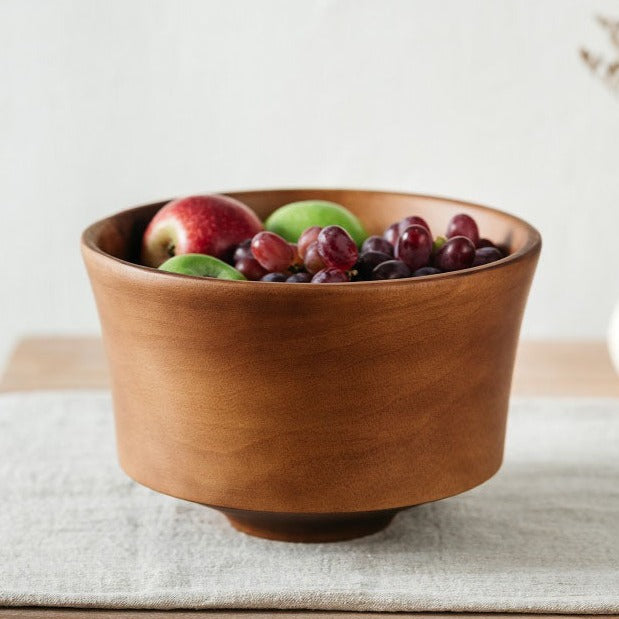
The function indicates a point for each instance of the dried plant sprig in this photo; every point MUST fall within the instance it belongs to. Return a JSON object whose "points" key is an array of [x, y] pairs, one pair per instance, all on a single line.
{"points": [[612, 26], [606, 70]]}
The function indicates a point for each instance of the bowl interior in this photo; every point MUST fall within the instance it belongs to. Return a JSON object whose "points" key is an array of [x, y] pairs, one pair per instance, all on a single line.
{"points": [[120, 235]]}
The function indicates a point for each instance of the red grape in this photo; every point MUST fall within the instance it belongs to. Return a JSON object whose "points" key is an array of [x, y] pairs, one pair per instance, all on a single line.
{"points": [[274, 277], [330, 255], [243, 250], [377, 243], [368, 261], [299, 278], [337, 248], [297, 261], [272, 251], [391, 233], [458, 253], [313, 259], [486, 255], [414, 247], [391, 269], [251, 268], [330, 275], [308, 236], [463, 225], [412, 220]]}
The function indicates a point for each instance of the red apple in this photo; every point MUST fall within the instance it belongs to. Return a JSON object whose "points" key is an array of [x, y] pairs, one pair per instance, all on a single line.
{"points": [[198, 225]]}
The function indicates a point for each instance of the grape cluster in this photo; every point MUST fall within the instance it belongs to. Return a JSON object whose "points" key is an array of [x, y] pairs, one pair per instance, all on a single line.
{"points": [[329, 255]]}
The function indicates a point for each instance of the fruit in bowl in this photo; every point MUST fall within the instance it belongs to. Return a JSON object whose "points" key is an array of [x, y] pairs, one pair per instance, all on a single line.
{"points": [[314, 412], [313, 241], [291, 220], [211, 225], [200, 265]]}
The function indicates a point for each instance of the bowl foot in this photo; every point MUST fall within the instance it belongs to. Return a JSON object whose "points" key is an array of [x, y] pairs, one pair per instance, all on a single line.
{"points": [[309, 528]]}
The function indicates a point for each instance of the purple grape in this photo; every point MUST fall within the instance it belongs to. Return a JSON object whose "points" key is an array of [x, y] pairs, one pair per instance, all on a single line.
{"points": [[463, 225], [391, 269], [486, 255], [414, 247], [458, 253], [243, 250], [330, 275], [377, 244], [251, 268], [337, 248], [426, 271], [299, 278], [368, 261], [274, 277], [484, 243]]}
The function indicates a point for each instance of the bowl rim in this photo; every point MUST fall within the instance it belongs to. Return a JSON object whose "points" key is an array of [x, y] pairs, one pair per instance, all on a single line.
{"points": [[531, 246]]}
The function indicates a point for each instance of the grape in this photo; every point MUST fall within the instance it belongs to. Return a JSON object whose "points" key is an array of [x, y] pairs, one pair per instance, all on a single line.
{"points": [[337, 248], [313, 259], [308, 236], [274, 277], [414, 247], [458, 253], [377, 243], [391, 233], [299, 278], [439, 241], [368, 260], [243, 250], [412, 220], [486, 255], [251, 268], [463, 225], [426, 271], [391, 269], [272, 251], [330, 275], [484, 243]]}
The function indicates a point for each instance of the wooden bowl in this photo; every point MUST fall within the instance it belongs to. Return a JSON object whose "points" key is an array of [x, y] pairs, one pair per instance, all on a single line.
{"points": [[312, 412]]}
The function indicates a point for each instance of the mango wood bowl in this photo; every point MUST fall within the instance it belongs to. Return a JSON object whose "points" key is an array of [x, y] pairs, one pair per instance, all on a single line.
{"points": [[312, 412]]}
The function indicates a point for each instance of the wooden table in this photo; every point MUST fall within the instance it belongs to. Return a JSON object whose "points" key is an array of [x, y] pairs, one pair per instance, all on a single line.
{"points": [[543, 368]]}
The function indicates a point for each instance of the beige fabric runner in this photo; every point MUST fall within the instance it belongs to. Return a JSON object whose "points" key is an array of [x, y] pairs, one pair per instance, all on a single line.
{"points": [[542, 536]]}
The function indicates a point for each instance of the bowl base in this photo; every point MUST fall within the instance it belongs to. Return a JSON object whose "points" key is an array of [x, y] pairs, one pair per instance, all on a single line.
{"points": [[308, 528]]}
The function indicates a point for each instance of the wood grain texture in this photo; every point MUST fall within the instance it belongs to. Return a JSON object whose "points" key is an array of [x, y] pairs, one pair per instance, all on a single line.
{"points": [[47, 362], [565, 368], [347, 398], [543, 367]]}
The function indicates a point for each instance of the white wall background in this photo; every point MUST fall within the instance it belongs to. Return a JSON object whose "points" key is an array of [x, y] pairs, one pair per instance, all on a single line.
{"points": [[109, 104]]}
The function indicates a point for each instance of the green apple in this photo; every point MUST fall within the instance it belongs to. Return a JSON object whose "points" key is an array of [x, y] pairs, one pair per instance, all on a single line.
{"points": [[292, 219], [200, 265]]}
